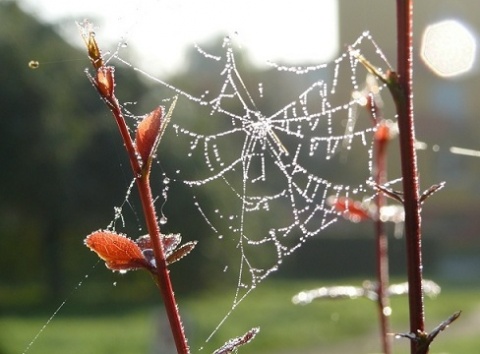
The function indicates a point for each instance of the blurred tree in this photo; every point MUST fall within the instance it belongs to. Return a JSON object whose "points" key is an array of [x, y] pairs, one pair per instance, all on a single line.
{"points": [[63, 167], [56, 154]]}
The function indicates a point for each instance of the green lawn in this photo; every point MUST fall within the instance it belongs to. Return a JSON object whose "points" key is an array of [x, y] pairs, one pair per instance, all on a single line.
{"points": [[321, 327]]}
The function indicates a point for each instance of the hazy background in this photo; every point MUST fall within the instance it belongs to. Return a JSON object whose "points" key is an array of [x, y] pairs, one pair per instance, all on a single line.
{"points": [[62, 165]]}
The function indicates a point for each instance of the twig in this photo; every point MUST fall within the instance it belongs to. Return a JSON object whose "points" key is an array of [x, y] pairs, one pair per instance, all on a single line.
{"points": [[381, 241], [140, 153], [423, 339], [401, 86]]}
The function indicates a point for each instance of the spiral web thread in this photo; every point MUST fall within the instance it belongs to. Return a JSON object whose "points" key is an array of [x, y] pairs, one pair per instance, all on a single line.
{"points": [[275, 172]]}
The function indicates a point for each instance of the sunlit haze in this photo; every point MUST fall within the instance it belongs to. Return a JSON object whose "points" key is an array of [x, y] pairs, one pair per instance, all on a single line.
{"points": [[296, 33]]}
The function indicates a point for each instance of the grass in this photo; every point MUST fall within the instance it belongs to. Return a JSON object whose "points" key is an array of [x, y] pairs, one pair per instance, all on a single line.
{"points": [[282, 324], [128, 333], [317, 328]]}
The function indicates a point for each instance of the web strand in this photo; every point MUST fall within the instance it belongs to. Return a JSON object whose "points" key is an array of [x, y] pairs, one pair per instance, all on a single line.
{"points": [[280, 168]]}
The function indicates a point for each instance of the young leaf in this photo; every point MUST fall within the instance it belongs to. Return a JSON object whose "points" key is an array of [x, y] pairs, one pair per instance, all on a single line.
{"points": [[233, 344], [118, 251], [148, 134], [144, 242], [432, 190], [351, 209], [181, 252], [171, 242]]}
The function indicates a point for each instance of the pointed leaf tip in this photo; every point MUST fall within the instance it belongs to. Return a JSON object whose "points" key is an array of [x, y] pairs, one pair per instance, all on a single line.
{"points": [[233, 344], [118, 251], [93, 50], [181, 252], [171, 246], [148, 134]]}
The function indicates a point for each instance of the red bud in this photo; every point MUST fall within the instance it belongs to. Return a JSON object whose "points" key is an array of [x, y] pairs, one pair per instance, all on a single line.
{"points": [[92, 47], [105, 81]]}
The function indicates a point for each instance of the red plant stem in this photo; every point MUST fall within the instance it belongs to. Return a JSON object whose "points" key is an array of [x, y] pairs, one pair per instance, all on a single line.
{"points": [[381, 240], [404, 102], [162, 274], [127, 140], [142, 177]]}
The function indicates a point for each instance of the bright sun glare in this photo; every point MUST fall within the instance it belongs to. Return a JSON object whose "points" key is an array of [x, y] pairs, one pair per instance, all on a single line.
{"points": [[159, 31], [448, 48]]}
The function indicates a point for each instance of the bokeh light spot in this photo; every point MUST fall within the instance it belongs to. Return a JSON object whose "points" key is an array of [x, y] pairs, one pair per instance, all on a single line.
{"points": [[448, 48]]}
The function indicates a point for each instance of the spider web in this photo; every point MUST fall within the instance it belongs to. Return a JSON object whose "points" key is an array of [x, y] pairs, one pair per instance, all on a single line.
{"points": [[272, 173]]}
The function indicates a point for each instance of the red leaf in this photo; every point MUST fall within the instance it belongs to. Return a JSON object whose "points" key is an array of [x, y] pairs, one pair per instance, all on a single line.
{"points": [[351, 209], [148, 134], [382, 134], [118, 251]]}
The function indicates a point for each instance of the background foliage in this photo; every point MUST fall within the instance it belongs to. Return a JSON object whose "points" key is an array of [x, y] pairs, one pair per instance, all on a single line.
{"points": [[62, 169]]}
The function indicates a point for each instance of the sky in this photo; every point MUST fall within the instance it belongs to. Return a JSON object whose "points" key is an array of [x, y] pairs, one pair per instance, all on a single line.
{"points": [[159, 31]]}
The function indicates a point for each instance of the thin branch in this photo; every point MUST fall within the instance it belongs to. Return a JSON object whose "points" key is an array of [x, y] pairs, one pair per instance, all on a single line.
{"points": [[423, 339], [104, 82], [381, 242], [401, 87]]}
